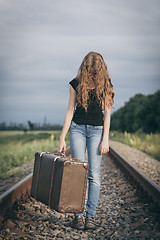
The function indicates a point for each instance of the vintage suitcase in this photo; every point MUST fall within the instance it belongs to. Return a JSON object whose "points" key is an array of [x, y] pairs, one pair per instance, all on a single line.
{"points": [[60, 182]]}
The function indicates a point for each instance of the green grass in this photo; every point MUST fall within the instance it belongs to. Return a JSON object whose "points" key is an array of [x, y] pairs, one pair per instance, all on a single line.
{"points": [[148, 143], [17, 148]]}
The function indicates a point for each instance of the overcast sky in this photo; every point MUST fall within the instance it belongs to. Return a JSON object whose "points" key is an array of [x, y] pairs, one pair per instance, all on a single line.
{"points": [[42, 44]]}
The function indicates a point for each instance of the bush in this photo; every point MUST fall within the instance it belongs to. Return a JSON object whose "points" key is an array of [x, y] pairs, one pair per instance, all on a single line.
{"points": [[148, 143]]}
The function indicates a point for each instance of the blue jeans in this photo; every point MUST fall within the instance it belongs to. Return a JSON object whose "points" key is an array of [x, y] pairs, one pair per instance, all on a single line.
{"points": [[90, 137]]}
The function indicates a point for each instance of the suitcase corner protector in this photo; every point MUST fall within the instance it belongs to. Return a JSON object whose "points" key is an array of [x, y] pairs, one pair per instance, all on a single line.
{"points": [[85, 165]]}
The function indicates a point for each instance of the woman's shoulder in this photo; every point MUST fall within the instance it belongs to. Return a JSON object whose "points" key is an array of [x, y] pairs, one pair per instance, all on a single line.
{"points": [[74, 83], [74, 80]]}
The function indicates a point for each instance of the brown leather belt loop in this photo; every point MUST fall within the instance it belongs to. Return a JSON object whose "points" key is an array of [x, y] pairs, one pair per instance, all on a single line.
{"points": [[39, 165], [53, 168]]}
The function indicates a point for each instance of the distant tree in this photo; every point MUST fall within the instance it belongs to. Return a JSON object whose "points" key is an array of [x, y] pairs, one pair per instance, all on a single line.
{"points": [[31, 125], [3, 126], [25, 130], [140, 112]]}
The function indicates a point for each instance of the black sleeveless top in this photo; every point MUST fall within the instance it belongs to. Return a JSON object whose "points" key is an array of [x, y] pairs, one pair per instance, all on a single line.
{"points": [[94, 114]]}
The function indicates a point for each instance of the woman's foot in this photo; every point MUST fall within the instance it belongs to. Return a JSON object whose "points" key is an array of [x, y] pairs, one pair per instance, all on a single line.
{"points": [[90, 223], [78, 223]]}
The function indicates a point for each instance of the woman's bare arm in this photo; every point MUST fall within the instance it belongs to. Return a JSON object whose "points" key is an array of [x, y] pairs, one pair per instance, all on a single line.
{"points": [[68, 119], [104, 147]]}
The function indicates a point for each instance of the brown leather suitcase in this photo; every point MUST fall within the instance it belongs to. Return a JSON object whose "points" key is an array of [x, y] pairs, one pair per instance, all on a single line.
{"points": [[60, 182]]}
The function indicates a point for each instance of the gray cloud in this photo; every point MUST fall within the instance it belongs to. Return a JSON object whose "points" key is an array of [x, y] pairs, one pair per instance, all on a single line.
{"points": [[43, 43]]}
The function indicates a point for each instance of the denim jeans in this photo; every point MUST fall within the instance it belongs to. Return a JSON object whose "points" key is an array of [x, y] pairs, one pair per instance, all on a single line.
{"points": [[88, 137]]}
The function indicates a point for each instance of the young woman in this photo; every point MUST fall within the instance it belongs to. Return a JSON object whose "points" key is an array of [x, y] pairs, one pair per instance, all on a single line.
{"points": [[91, 92]]}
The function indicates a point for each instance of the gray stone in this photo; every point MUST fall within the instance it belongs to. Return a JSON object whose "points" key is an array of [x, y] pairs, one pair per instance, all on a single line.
{"points": [[157, 234]]}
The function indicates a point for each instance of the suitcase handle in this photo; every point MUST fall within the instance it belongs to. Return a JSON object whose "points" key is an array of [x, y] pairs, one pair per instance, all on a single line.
{"points": [[62, 154]]}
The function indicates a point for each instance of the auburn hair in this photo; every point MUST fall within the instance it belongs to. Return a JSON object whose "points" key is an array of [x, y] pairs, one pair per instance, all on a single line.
{"points": [[93, 74]]}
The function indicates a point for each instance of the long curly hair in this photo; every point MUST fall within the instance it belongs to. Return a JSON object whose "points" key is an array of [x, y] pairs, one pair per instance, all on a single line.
{"points": [[93, 74]]}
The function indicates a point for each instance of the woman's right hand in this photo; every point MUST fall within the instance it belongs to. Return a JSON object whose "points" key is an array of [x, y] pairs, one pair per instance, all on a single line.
{"points": [[62, 145]]}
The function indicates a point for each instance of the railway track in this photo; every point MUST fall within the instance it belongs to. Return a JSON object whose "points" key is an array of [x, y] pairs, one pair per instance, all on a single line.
{"points": [[124, 210]]}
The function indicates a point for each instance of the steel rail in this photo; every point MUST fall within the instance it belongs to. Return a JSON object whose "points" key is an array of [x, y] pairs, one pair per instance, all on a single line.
{"points": [[152, 189], [8, 198]]}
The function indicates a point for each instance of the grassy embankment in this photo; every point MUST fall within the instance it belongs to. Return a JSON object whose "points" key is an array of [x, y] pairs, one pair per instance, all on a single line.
{"points": [[148, 143], [17, 147]]}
